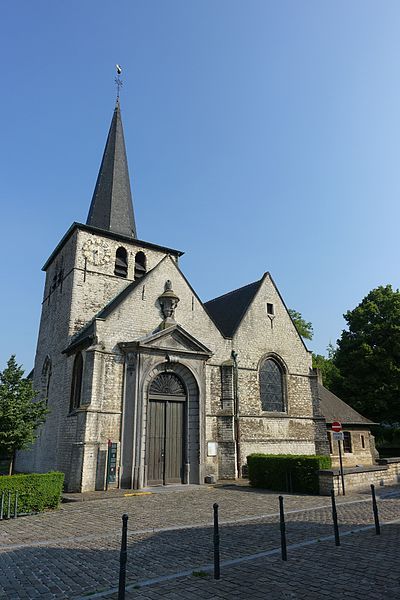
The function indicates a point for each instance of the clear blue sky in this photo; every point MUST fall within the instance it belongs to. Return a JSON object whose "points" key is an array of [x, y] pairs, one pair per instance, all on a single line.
{"points": [[261, 136]]}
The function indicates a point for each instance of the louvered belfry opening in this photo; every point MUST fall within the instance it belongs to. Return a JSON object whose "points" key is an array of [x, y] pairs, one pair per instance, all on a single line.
{"points": [[121, 262], [140, 265], [165, 430]]}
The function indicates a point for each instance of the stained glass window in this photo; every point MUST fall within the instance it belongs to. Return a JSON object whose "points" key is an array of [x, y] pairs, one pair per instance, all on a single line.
{"points": [[271, 386]]}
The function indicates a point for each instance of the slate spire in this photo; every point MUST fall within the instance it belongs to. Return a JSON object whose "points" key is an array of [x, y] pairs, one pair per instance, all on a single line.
{"points": [[111, 207]]}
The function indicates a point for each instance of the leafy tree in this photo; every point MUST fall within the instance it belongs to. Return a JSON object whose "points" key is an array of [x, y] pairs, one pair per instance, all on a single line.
{"points": [[304, 328], [20, 416], [368, 356], [329, 371]]}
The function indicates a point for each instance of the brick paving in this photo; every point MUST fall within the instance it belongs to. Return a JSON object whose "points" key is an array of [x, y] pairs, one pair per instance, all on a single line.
{"points": [[74, 552]]}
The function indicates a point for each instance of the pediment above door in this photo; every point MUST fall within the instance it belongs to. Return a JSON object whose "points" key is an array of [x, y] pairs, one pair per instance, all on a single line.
{"points": [[173, 340]]}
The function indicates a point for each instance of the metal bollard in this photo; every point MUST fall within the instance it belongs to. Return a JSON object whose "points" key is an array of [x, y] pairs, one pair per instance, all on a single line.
{"points": [[335, 519], [375, 509], [2, 505], [217, 570], [283, 529], [9, 505], [123, 558], [16, 505]]}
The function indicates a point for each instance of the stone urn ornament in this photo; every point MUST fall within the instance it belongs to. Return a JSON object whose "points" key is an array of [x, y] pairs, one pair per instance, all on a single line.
{"points": [[168, 302]]}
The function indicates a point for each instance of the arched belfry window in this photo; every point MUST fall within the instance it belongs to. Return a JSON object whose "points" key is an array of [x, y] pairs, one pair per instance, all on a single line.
{"points": [[272, 386], [140, 265], [76, 384], [121, 262]]}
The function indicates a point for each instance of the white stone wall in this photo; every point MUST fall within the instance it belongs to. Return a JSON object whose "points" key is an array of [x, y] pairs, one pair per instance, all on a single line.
{"points": [[260, 335]]}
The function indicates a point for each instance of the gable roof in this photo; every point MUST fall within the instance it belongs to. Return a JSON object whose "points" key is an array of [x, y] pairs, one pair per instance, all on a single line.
{"points": [[334, 409], [228, 310], [86, 334]]}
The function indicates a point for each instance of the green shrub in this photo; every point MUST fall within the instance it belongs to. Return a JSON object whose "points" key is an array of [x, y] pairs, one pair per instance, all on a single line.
{"points": [[287, 472], [36, 491]]}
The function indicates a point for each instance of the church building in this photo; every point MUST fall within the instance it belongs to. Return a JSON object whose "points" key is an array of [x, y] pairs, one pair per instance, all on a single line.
{"points": [[129, 357]]}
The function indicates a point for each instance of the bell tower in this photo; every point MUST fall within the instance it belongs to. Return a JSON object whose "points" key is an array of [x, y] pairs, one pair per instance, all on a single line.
{"points": [[91, 265]]}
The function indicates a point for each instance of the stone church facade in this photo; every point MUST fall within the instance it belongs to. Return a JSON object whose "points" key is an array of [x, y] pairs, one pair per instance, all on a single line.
{"points": [[128, 353]]}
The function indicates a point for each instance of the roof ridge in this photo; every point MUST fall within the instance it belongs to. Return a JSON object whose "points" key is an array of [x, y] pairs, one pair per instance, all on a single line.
{"points": [[233, 291]]}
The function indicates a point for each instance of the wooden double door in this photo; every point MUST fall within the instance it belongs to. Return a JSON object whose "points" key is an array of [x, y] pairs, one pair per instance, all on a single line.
{"points": [[165, 434]]}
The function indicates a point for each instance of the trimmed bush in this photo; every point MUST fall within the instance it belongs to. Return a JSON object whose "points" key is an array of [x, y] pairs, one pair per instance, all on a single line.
{"points": [[287, 472], [36, 491]]}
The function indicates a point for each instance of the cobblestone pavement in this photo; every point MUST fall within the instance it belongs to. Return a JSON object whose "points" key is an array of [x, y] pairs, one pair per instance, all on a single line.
{"points": [[74, 552]]}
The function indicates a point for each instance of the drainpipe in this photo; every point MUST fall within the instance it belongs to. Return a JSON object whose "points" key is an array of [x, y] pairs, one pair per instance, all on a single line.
{"points": [[236, 411]]}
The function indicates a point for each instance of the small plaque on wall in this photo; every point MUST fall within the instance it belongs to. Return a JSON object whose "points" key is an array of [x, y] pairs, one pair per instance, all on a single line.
{"points": [[212, 448]]}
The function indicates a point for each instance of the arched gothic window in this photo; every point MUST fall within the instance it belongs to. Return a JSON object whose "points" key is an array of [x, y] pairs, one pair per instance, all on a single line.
{"points": [[140, 265], [46, 378], [271, 386], [121, 262], [76, 384]]}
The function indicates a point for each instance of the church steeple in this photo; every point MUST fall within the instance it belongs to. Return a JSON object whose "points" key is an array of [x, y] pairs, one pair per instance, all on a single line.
{"points": [[111, 207]]}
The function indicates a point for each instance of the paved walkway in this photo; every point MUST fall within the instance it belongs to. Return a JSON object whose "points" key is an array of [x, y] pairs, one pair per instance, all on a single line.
{"points": [[74, 552]]}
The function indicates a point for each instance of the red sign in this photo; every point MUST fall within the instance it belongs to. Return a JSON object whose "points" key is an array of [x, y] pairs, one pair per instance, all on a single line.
{"points": [[336, 426]]}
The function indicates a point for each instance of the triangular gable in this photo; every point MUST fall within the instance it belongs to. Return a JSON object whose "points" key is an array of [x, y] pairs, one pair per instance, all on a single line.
{"points": [[87, 331], [173, 338], [229, 310]]}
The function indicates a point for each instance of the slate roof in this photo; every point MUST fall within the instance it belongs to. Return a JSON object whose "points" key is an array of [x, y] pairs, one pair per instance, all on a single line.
{"points": [[111, 207], [228, 310], [334, 409]]}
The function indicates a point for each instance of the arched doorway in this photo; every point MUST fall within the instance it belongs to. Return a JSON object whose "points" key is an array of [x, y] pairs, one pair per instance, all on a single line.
{"points": [[166, 417]]}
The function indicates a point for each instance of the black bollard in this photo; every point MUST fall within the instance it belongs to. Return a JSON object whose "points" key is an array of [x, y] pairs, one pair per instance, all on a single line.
{"points": [[283, 528], [335, 520], [375, 509], [122, 558], [16, 505], [217, 571], [2, 505]]}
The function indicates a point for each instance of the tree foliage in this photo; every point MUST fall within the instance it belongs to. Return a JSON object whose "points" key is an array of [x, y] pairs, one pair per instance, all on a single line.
{"points": [[329, 371], [368, 356], [304, 327], [20, 416]]}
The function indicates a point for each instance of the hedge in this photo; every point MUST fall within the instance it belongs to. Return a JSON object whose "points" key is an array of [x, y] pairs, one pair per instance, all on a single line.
{"points": [[36, 491], [287, 472]]}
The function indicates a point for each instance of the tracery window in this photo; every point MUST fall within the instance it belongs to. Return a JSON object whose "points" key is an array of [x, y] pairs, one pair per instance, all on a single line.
{"points": [[121, 262], [76, 384], [271, 386], [167, 384]]}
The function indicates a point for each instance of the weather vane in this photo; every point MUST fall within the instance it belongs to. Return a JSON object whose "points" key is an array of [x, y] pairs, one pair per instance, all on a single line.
{"points": [[118, 80]]}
